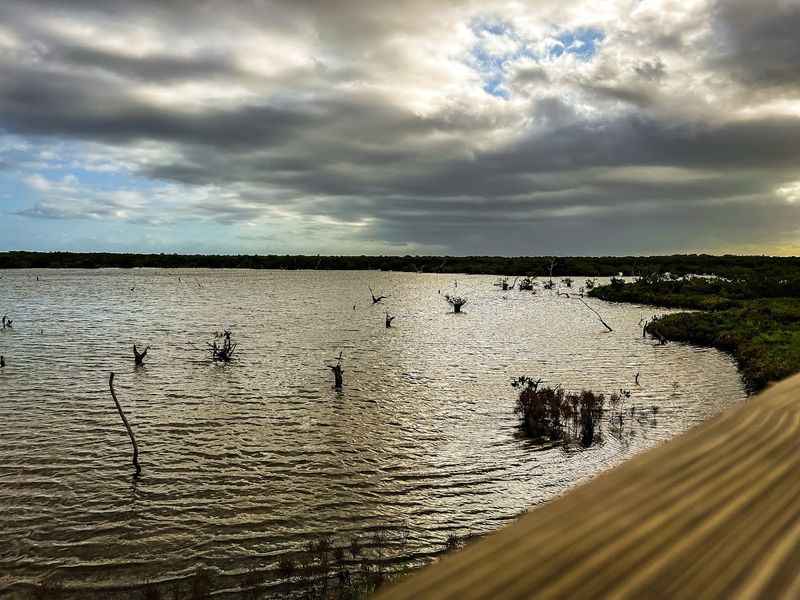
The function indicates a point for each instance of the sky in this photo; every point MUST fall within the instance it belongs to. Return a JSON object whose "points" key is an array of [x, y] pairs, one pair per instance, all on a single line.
{"points": [[405, 127]]}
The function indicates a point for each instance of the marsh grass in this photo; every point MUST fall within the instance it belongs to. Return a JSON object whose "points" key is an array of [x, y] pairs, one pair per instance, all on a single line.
{"points": [[552, 413]]}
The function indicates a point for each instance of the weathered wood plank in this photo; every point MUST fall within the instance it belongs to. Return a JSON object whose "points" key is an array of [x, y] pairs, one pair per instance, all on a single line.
{"points": [[713, 513]]}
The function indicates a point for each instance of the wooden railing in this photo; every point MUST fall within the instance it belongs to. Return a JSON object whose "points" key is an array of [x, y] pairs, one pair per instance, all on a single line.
{"points": [[713, 513]]}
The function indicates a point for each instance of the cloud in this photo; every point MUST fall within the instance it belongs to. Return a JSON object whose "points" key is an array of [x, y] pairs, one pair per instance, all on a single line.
{"points": [[472, 127]]}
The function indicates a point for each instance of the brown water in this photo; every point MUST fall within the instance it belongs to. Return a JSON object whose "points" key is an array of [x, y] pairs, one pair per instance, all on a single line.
{"points": [[247, 462]]}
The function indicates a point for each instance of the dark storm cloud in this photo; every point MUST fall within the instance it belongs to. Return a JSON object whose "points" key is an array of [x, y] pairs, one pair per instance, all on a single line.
{"points": [[85, 106], [759, 41], [156, 68], [344, 110]]}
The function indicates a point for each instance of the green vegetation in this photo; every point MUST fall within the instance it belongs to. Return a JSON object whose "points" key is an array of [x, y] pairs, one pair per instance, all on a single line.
{"points": [[728, 266], [755, 317], [554, 414]]}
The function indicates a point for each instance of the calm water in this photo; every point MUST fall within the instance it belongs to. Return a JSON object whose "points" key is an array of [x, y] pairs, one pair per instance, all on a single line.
{"points": [[246, 462]]}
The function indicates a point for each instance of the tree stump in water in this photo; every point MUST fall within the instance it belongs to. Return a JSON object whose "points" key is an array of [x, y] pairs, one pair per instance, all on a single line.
{"points": [[138, 357], [456, 302], [338, 380]]}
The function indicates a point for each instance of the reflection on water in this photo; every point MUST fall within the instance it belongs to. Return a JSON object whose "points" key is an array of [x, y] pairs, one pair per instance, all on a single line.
{"points": [[244, 463]]}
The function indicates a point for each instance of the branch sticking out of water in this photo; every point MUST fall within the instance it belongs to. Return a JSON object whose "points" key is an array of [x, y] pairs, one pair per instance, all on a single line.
{"points": [[597, 313], [127, 426], [337, 372]]}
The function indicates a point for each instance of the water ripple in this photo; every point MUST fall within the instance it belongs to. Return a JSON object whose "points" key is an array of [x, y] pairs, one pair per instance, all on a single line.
{"points": [[251, 460]]}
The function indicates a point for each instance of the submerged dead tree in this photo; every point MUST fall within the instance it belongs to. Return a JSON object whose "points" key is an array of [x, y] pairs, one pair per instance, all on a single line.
{"points": [[549, 285], [525, 284], [389, 320], [456, 302], [338, 379], [376, 299], [127, 426], [138, 357], [502, 283], [225, 352]]}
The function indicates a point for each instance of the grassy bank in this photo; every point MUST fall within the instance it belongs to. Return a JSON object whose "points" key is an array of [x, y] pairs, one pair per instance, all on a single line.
{"points": [[755, 318]]}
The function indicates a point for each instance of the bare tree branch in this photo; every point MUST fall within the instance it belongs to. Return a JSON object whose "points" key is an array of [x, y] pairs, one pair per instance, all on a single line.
{"points": [[127, 426]]}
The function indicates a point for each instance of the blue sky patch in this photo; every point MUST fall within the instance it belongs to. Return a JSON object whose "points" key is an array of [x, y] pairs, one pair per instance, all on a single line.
{"points": [[582, 42]]}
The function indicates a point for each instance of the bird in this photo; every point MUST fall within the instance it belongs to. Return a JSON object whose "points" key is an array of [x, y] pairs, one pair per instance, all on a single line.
{"points": [[2, 361]]}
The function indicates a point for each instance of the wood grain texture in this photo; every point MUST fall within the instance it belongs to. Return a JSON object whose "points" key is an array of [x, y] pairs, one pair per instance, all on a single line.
{"points": [[713, 513]]}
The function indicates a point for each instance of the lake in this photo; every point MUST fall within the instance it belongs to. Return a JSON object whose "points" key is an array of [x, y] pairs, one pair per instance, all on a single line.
{"points": [[245, 463]]}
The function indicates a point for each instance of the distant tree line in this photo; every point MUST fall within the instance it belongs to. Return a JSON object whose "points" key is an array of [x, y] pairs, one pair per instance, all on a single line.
{"points": [[603, 266]]}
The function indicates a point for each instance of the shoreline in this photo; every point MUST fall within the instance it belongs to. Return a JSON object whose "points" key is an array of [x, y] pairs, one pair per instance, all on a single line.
{"points": [[761, 332]]}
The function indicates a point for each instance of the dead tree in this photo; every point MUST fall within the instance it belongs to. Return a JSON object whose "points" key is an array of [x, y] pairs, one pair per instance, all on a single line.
{"points": [[138, 357], [127, 426], [596, 313], [375, 299], [502, 283], [525, 284], [590, 283], [2, 361], [338, 372], [643, 323], [225, 352], [456, 302], [389, 320]]}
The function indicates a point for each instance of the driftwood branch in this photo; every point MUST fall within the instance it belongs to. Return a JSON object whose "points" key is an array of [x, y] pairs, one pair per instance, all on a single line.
{"points": [[127, 426], [596, 313]]}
